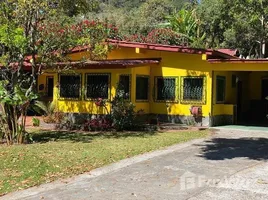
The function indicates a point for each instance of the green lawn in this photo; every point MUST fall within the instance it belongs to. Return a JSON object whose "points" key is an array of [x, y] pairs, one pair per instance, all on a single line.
{"points": [[63, 154]]}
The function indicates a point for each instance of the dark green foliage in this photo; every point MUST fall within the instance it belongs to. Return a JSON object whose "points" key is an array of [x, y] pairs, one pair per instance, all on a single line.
{"points": [[122, 114]]}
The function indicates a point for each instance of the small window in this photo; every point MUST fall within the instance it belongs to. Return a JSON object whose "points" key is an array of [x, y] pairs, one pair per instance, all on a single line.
{"points": [[193, 89], [124, 84], [165, 89], [97, 86], [220, 88], [142, 88], [70, 86]]}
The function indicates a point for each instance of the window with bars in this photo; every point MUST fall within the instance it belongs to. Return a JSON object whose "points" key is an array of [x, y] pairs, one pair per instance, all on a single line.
{"points": [[142, 88], [97, 86], [165, 89], [70, 86], [220, 89], [125, 85], [193, 89]]}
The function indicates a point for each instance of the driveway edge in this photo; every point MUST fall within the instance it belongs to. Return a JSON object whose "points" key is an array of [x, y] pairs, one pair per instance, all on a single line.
{"points": [[99, 171]]}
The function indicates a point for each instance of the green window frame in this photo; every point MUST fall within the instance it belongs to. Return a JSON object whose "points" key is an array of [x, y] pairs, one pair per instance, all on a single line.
{"points": [[166, 89], [70, 86], [97, 85], [125, 85], [142, 88], [193, 89], [220, 89]]}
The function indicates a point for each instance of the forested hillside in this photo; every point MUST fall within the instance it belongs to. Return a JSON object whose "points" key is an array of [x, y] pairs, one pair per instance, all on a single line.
{"points": [[198, 23], [135, 16]]}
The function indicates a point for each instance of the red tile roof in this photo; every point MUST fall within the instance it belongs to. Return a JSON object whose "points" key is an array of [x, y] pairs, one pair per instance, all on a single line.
{"points": [[238, 61], [232, 52], [107, 64]]}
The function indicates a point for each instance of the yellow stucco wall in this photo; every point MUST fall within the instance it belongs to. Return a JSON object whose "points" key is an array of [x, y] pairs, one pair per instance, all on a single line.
{"points": [[172, 64], [256, 88]]}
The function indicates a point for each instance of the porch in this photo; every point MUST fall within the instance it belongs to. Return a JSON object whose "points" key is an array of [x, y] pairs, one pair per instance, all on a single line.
{"points": [[239, 97]]}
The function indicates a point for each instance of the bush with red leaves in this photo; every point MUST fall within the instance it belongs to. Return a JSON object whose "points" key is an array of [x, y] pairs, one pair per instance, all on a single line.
{"points": [[160, 36]]}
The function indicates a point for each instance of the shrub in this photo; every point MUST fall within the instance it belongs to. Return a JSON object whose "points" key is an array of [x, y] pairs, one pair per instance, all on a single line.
{"points": [[163, 36], [122, 113], [98, 124]]}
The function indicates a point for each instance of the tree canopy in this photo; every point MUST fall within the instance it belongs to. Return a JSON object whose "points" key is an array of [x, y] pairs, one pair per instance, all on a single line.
{"points": [[215, 23], [35, 34]]}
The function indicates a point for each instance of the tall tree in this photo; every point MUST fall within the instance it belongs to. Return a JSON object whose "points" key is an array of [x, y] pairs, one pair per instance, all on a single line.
{"points": [[236, 24]]}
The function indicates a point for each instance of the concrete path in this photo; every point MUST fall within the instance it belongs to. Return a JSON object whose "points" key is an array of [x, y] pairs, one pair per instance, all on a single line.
{"points": [[230, 165]]}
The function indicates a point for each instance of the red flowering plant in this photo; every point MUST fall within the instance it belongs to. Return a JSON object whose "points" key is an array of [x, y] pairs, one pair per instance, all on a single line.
{"points": [[135, 38], [100, 102], [100, 123], [94, 30], [164, 36]]}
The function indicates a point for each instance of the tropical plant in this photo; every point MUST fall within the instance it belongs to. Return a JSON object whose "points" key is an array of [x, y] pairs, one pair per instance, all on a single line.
{"points": [[14, 107], [186, 23], [51, 115], [35, 121]]}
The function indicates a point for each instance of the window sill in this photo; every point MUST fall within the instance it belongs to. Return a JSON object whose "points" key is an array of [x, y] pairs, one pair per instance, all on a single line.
{"points": [[199, 102], [142, 101], [69, 99], [95, 99], [166, 101]]}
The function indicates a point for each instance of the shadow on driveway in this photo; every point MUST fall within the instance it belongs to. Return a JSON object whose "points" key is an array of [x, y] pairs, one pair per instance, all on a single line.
{"points": [[230, 148]]}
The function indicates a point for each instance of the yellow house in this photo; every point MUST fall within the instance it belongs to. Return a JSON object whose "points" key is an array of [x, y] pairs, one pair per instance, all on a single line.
{"points": [[174, 83]]}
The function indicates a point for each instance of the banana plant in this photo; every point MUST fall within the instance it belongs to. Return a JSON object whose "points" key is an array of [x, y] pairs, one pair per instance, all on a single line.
{"points": [[185, 23]]}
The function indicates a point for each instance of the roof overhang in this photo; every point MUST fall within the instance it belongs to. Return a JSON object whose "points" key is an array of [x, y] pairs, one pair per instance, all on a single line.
{"points": [[211, 53], [107, 64], [253, 61]]}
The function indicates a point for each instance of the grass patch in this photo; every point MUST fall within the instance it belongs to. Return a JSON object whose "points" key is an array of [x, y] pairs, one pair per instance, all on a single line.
{"points": [[63, 154]]}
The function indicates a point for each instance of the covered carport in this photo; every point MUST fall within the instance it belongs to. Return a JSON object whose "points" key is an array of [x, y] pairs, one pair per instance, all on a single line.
{"points": [[240, 91]]}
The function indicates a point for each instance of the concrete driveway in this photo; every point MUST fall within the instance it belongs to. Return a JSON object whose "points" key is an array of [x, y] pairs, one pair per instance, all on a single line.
{"points": [[228, 165]]}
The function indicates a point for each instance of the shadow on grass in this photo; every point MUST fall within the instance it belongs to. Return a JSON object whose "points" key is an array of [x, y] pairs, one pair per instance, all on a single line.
{"points": [[225, 148], [73, 136]]}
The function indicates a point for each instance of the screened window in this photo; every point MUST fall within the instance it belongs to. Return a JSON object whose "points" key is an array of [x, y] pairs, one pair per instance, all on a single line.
{"points": [[124, 84], [193, 88], [97, 86], [165, 89], [220, 88], [142, 88], [70, 86]]}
